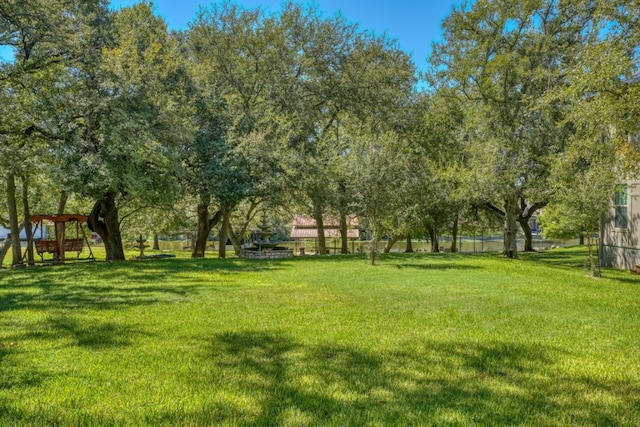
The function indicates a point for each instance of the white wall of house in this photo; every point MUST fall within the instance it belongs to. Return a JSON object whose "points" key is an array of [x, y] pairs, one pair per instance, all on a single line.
{"points": [[4, 233]]}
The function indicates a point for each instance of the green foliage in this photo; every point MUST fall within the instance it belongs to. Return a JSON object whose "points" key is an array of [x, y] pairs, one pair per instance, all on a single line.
{"points": [[502, 58], [584, 180], [129, 136], [530, 103], [436, 188], [378, 171], [420, 339], [301, 89]]}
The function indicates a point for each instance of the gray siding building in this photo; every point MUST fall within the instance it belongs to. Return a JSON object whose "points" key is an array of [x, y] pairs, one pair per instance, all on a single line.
{"points": [[620, 233]]}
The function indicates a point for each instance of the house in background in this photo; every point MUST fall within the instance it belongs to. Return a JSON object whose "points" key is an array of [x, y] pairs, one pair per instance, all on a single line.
{"points": [[4, 234], [305, 228], [620, 231]]}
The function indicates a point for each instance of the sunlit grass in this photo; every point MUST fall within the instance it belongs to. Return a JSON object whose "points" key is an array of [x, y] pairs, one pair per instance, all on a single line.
{"points": [[425, 339]]}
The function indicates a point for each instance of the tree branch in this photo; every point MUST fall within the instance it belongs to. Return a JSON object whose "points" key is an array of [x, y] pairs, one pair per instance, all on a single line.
{"points": [[529, 210], [494, 209], [215, 220]]}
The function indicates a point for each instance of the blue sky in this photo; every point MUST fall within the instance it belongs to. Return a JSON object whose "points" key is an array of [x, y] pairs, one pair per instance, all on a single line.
{"points": [[414, 23]]}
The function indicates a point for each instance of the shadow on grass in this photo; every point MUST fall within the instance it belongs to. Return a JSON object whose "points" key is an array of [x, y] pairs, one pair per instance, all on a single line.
{"points": [[18, 377], [329, 258], [266, 378], [622, 276], [96, 335], [150, 270], [51, 295], [438, 266], [64, 331], [112, 285], [282, 382], [577, 258], [573, 258]]}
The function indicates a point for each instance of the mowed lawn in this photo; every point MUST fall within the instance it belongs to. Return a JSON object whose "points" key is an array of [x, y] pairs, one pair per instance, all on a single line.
{"points": [[421, 339]]}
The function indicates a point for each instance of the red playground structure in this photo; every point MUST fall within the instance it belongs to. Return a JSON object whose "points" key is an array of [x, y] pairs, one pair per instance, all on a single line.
{"points": [[61, 242]]}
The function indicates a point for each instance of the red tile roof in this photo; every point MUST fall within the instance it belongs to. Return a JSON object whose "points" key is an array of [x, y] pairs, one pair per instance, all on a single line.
{"points": [[305, 227]]}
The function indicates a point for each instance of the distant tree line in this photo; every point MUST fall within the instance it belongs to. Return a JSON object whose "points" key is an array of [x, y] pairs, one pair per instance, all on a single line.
{"points": [[524, 105]]}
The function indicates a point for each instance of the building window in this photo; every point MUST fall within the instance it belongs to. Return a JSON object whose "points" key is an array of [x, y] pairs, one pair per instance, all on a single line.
{"points": [[620, 203]]}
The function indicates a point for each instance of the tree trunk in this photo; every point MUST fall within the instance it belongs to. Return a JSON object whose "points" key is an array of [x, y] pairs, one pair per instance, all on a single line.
{"points": [[344, 233], [373, 246], [235, 241], [592, 259], [526, 213], [14, 223], [222, 251], [343, 209], [528, 235], [392, 241], [103, 220], [59, 227], [27, 220], [317, 215], [203, 231], [581, 237], [205, 224], [511, 227], [62, 202], [4, 248], [409, 248], [510, 217], [236, 237], [454, 236], [6, 245], [433, 236]]}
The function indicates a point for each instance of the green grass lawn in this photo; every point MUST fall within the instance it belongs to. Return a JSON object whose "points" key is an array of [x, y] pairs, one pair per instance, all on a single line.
{"points": [[424, 339]]}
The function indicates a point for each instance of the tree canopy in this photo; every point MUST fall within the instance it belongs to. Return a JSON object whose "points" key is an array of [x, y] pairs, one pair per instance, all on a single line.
{"points": [[525, 105]]}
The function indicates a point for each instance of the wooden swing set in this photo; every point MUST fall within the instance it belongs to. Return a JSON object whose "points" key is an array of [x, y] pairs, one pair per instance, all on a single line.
{"points": [[60, 244]]}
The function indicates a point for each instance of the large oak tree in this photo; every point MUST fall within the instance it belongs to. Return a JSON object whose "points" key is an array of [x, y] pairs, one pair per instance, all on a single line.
{"points": [[501, 58]]}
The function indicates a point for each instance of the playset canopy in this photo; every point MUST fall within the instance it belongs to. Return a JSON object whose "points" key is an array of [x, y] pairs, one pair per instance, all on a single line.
{"points": [[61, 243]]}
